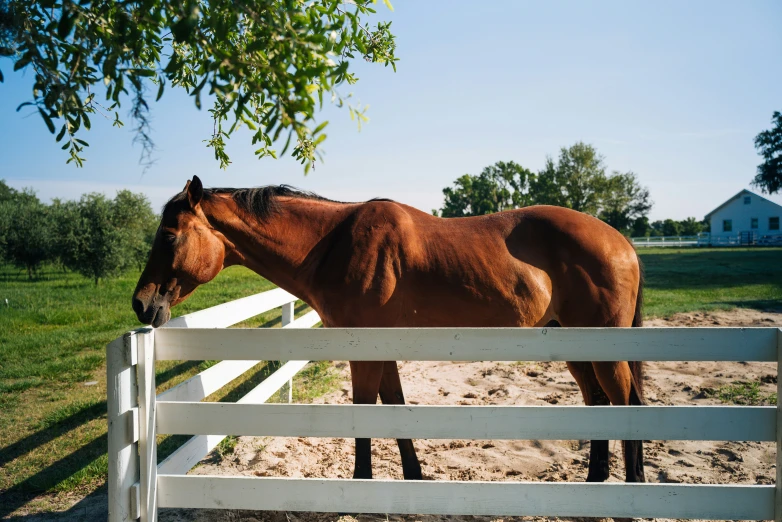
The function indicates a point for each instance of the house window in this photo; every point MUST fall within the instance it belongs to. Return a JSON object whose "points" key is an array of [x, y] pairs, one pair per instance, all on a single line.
{"points": [[727, 225], [773, 223], [753, 223], [747, 200]]}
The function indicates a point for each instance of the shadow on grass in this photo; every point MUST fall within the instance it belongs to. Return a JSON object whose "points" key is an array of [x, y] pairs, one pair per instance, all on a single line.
{"points": [[18, 495], [277, 320], [94, 507], [43, 481], [764, 305], [698, 270]]}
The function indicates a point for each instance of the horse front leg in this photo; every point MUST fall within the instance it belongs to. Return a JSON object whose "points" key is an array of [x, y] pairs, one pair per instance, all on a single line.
{"points": [[365, 377], [391, 393]]}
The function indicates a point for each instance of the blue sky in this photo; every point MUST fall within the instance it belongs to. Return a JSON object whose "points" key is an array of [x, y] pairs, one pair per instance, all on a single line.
{"points": [[673, 91]]}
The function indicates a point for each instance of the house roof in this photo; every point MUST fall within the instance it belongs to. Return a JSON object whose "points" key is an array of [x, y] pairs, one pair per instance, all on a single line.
{"points": [[736, 196]]}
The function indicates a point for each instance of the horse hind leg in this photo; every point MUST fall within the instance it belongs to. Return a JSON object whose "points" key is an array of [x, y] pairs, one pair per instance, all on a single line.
{"points": [[365, 377], [593, 396], [391, 393], [616, 379]]}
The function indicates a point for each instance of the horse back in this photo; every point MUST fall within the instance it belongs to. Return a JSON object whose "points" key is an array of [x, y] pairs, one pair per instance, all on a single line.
{"points": [[399, 266]]}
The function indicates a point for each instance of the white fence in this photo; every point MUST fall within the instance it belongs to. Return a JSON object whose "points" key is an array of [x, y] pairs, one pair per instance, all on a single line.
{"points": [[669, 241], [704, 239], [160, 487], [132, 400]]}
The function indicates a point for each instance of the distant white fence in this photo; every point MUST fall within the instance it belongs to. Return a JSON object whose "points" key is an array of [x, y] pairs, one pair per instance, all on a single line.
{"points": [[667, 241], [131, 399], [158, 487], [704, 239]]}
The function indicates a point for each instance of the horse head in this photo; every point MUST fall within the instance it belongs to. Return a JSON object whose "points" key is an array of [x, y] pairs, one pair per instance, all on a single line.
{"points": [[187, 252]]}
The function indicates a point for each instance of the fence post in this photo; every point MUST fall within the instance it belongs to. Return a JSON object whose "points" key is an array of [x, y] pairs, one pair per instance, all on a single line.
{"points": [[288, 312], [147, 446], [122, 413], [778, 484]]}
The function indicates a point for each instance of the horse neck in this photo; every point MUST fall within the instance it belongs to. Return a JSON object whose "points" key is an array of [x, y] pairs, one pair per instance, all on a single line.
{"points": [[284, 247]]}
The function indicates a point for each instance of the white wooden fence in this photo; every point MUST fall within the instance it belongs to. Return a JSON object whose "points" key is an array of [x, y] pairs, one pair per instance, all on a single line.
{"points": [[669, 241], [132, 400], [169, 486]]}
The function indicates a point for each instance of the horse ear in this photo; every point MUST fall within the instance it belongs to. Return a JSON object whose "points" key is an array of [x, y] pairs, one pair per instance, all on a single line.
{"points": [[195, 191]]}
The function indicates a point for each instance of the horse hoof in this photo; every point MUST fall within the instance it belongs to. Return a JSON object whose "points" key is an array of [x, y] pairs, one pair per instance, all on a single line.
{"points": [[416, 475], [596, 478]]}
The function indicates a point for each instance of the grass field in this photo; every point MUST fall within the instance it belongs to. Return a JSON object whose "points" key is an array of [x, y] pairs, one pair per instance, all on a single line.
{"points": [[684, 280], [54, 330], [53, 334]]}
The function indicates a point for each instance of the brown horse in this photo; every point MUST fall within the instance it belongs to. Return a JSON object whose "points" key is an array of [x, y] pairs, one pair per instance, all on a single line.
{"points": [[384, 264]]}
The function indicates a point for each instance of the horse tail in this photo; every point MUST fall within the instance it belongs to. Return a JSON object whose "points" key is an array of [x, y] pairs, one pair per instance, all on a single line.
{"points": [[637, 367]]}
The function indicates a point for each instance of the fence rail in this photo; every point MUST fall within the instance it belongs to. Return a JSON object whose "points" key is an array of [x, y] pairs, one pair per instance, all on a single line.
{"points": [[472, 344], [668, 241], [472, 422], [711, 502], [159, 486], [705, 239]]}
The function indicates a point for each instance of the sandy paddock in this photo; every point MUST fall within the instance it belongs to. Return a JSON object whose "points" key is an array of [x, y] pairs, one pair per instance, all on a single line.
{"points": [[487, 383]]}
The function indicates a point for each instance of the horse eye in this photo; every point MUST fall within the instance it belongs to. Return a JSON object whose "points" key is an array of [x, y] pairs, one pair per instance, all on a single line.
{"points": [[169, 238]]}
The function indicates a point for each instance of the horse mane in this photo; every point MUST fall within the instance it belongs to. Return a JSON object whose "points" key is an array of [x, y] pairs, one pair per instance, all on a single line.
{"points": [[262, 201]]}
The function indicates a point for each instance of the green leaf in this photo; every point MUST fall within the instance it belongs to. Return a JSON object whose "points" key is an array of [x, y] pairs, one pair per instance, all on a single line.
{"points": [[22, 62], [160, 89], [47, 119], [66, 24], [141, 72], [62, 132], [320, 127]]}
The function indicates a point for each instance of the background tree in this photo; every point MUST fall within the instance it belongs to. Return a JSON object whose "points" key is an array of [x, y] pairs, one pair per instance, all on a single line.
{"points": [[623, 201], [671, 227], [26, 231], [6, 194], [576, 181], [92, 244], [641, 227], [691, 226], [502, 186], [64, 216], [267, 63], [769, 145], [134, 217]]}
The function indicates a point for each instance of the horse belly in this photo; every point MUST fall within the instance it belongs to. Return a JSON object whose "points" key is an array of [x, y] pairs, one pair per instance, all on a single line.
{"points": [[507, 301]]}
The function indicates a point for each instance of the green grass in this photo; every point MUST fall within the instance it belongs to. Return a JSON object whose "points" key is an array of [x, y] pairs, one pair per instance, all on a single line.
{"points": [[53, 335], [54, 330], [746, 393], [686, 280]]}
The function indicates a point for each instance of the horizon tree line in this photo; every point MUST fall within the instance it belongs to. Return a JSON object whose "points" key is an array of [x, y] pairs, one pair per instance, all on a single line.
{"points": [[578, 179]]}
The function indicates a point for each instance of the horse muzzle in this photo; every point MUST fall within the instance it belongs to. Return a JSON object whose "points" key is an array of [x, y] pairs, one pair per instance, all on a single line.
{"points": [[157, 312]]}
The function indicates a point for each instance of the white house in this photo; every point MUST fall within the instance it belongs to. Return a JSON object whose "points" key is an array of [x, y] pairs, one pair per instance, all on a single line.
{"points": [[745, 218]]}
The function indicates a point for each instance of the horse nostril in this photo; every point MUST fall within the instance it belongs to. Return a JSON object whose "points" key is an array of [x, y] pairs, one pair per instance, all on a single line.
{"points": [[138, 306]]}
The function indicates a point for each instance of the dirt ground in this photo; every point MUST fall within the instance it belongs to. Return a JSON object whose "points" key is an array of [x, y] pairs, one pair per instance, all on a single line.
{"points": [[488, 383]]}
